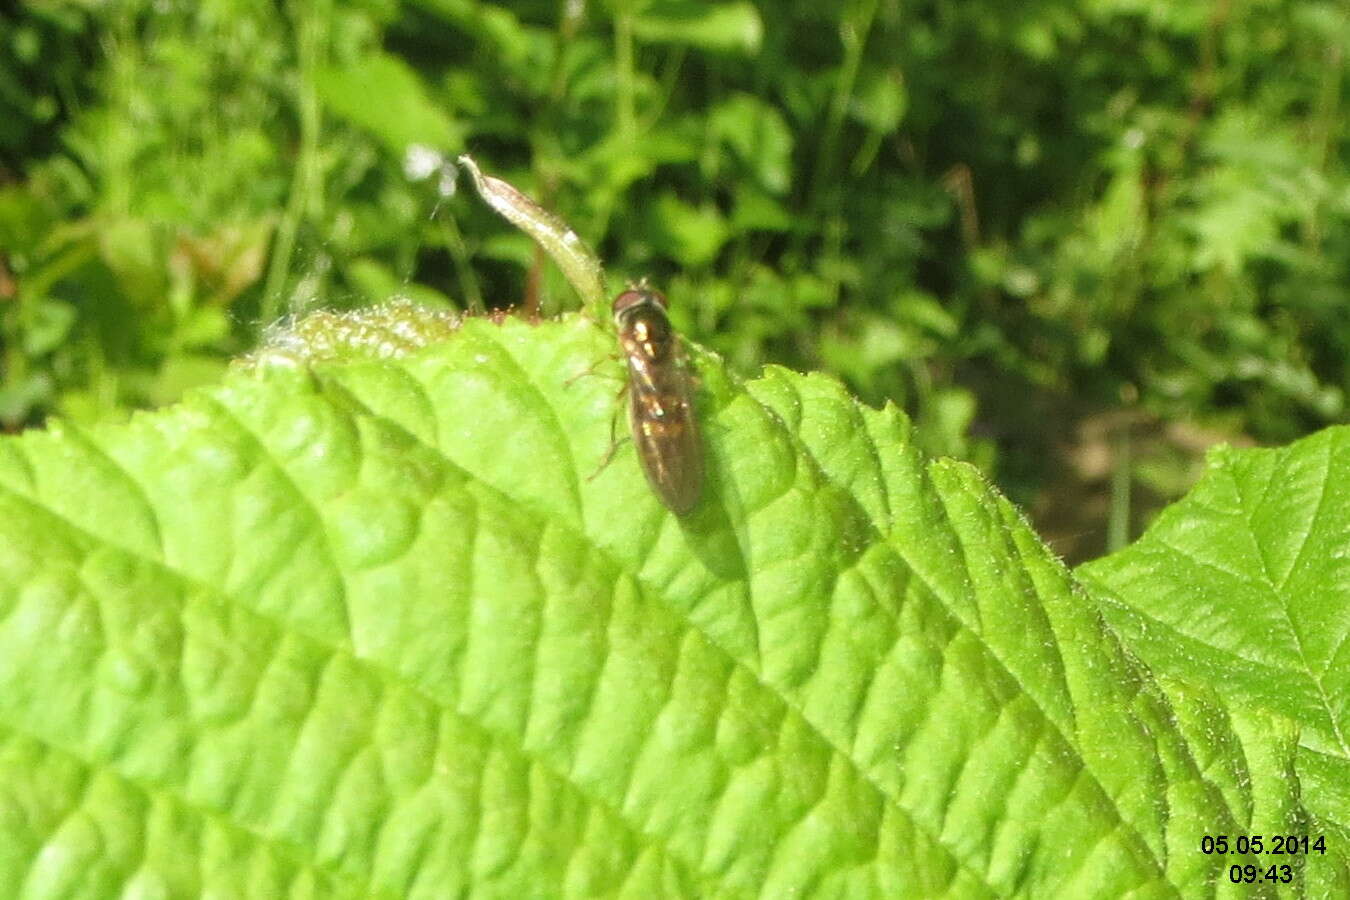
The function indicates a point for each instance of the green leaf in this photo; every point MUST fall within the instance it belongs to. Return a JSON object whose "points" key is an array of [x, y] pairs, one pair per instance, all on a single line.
{"points": [[1250, 576], [46, 325], [378, 282], [1245, 585], [514, 45], [758, 134], [355, 627], [756, 210], [693, 235], [880, 101], [725, 27], [129, 248], [383, 95]]}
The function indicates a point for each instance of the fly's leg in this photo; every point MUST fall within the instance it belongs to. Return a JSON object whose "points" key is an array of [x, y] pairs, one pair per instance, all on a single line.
{"points": [[590, 370], [614, 440]]}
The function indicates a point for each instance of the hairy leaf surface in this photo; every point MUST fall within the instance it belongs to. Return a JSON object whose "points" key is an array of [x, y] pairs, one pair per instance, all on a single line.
{"points": [[354, 627], [1244, 587]]}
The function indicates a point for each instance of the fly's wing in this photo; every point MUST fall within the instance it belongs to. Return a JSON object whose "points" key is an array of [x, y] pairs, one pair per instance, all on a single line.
{"points": [[665, 433]]}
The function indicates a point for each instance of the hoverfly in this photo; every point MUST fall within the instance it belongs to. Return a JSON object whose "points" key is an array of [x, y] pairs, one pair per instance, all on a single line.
{"points": [[660, 413]]}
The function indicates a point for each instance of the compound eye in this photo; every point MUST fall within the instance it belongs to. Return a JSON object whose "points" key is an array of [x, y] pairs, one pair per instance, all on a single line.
{"points": [[638, 296], [627, 300]]}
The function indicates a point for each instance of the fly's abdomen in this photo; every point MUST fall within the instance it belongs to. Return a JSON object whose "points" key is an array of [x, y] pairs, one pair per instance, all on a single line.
{"points": [[668, 448]]}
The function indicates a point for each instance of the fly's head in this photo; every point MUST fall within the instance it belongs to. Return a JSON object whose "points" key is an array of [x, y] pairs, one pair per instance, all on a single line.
{"points": [[644, 330]]}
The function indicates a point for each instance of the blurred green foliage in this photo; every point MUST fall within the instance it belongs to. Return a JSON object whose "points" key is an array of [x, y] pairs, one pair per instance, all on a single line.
{"points": [[1011, 219]]}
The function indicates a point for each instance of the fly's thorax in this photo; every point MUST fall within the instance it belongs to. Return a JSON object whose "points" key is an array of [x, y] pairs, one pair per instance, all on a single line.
{"points": [[645, 330]]}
